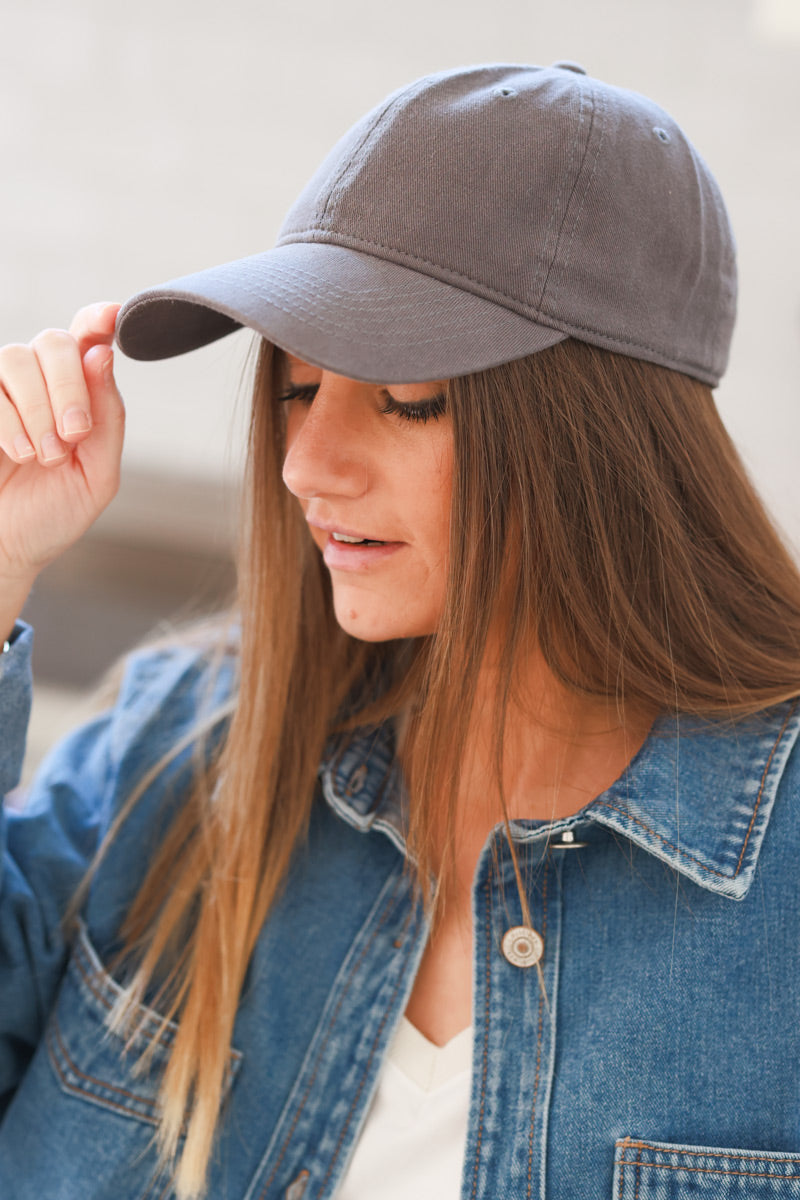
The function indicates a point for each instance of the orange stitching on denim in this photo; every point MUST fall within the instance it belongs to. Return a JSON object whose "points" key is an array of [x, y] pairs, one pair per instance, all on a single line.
{"points": [[717, 1170], [752, 1156], [71, 1087], [538, 1042], [763, 784], [365, 1072], [485, 1060], [321, 1051], [629, 815], [623, 1148], [163, 1037], [638, 1174], [712, 870], [87, 973]]}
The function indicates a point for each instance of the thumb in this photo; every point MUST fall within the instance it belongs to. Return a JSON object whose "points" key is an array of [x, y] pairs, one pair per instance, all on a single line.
{"points": [[94, 325]]}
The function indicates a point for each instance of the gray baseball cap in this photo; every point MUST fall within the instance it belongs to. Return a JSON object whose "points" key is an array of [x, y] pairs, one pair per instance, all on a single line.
{"points": [[476, 216]]}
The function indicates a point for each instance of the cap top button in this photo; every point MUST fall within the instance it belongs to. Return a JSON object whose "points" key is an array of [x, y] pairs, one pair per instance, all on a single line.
{"points": [[566, 65], [522, 946]]}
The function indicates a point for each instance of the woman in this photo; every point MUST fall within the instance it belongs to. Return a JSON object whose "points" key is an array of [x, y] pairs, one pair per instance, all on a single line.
{"points": [[506, 728]]}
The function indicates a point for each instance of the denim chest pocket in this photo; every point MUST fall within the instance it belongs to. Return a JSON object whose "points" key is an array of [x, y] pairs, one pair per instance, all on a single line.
{"points": [[114, 1119], [645, 1170]]}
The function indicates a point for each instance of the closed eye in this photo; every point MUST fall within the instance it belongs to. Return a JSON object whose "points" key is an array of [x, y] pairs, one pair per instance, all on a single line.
{"points": [[301, 391], [410, 410], [414, 410]]}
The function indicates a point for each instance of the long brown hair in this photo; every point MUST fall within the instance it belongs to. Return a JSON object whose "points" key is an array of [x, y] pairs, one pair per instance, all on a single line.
{"points": [[644, 568]]}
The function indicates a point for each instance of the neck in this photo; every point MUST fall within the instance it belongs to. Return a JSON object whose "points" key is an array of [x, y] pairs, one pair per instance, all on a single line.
{"points": [[559, 751]]}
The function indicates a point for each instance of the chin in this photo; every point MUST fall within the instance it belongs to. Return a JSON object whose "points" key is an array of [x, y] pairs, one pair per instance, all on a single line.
{"points": [[369, 624]]}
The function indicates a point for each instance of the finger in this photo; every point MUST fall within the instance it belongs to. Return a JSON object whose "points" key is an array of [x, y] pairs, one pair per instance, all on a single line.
{"points": [[100, 454], [24, 385], [94, 325], [62, 369], [14, 441]]}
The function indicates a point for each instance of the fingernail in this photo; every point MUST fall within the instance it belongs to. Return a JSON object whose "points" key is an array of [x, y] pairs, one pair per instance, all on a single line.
{"points": [[51, 447], [23, 448], [75, 420], [108, 368]]}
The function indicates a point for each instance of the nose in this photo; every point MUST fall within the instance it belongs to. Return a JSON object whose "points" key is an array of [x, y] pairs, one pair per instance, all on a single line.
{"points": [[326, 442]]}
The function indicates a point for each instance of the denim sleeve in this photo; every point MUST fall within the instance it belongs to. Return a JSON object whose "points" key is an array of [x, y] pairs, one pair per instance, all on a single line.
{"points": [[79, 788], [15, 705], [46, 848]]}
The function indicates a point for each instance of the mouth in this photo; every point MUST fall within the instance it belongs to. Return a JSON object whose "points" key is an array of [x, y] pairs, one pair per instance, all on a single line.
{"points": [[347, 540], [352, 551]]}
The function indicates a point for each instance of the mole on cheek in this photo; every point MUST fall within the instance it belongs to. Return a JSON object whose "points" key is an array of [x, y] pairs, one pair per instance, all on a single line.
{"points": [[352, 614]]}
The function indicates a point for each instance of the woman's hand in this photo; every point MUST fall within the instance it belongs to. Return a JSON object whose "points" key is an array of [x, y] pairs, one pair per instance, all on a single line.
{"points": [[61, 429]]}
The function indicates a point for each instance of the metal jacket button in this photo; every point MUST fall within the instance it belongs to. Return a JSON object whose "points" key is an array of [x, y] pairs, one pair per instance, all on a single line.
{"points": [[568, 842], [522, 946]]}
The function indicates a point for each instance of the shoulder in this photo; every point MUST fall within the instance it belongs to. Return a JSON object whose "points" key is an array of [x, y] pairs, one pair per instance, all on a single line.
{"points": [[170, 713], [153, 710], [170, 686], [169, 692]]}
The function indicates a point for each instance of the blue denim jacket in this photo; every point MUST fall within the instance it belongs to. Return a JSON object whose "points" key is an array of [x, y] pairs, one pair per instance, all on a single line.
{"points": [[661, 1062]]}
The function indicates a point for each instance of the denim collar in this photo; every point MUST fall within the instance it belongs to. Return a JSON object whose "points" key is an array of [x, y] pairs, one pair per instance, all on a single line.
{"points": [[698, 794]]}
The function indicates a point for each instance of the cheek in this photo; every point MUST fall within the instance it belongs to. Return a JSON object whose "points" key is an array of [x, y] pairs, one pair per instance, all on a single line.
{"points": [[441, 496], [292, 423]]}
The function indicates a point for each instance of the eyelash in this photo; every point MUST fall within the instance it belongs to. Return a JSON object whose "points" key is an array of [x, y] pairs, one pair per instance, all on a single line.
{"points": [[417, 411]]}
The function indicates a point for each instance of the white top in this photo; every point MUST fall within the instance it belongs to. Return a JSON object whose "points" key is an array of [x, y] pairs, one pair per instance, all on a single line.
{"points": [[412, 1143]]}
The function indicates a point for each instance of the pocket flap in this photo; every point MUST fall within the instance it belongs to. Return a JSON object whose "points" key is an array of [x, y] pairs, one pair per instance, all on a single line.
{"points": [[645, 1170], [90, 1060]]}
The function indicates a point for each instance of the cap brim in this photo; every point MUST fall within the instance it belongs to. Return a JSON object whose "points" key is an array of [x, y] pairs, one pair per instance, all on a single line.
{"points": [[338, 308]]}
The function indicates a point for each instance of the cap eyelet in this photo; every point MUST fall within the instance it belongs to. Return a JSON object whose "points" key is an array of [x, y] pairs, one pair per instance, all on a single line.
{"points": [[662, 134], [506, 91]]}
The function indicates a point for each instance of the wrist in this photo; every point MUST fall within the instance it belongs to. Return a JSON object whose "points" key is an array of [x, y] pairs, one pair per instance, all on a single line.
{"points": [[13, 594]]}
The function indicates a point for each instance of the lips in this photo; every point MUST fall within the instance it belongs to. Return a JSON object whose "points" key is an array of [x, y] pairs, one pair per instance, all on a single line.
{"points": [[353, 550], [348, 540]]}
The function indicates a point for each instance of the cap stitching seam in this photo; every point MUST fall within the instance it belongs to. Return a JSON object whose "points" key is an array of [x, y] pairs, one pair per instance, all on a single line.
{"points": [[534, 314], [556, 204], [336, 187], [551, 268], [313, 318], [596, 113]]}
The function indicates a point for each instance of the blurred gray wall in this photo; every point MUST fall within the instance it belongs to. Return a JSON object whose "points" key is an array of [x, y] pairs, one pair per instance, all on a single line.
{"points": [[143, 141]]}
